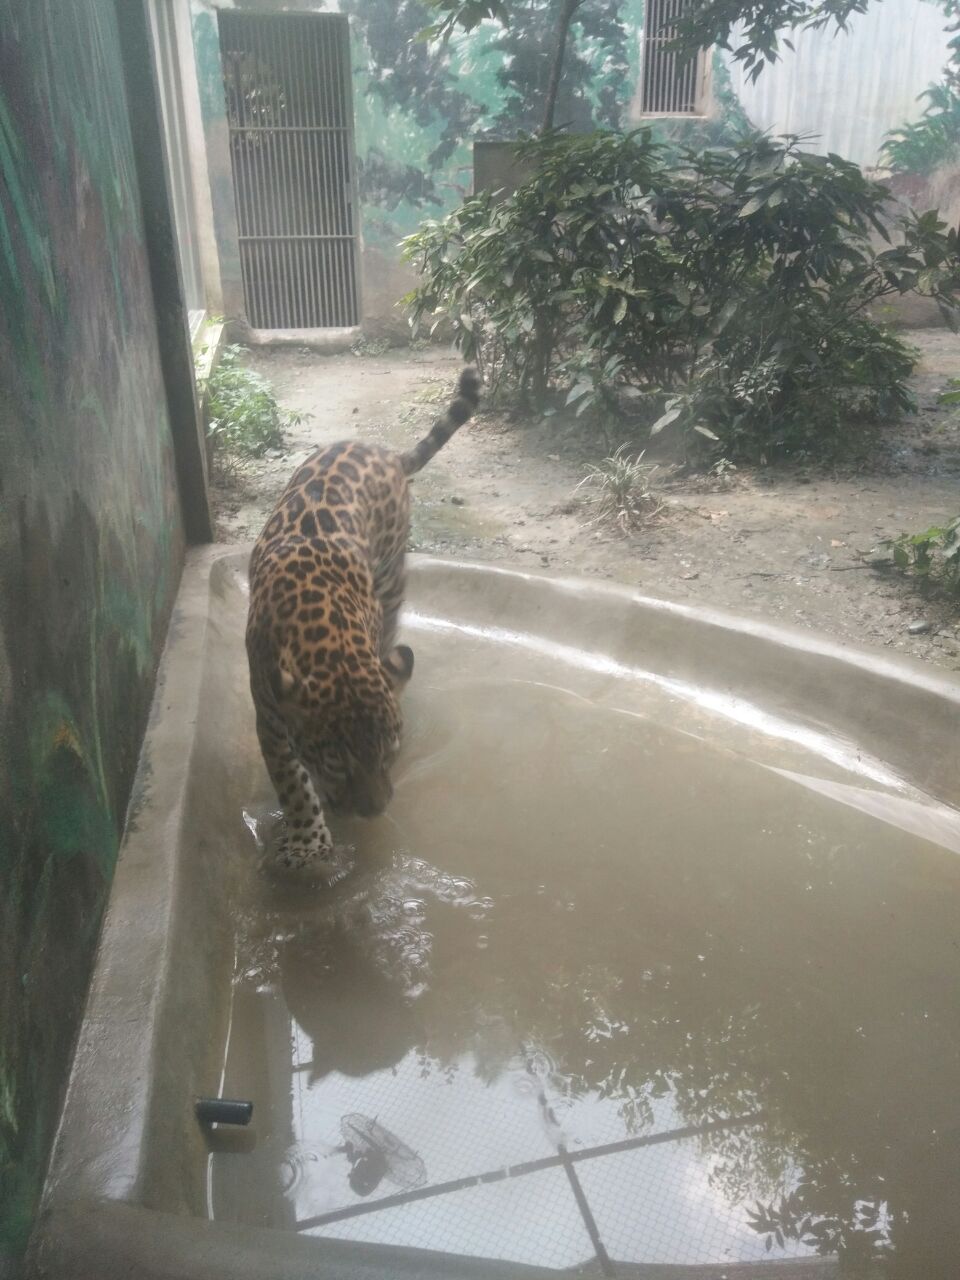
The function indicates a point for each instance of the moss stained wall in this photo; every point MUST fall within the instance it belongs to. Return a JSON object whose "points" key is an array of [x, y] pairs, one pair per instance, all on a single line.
{"points": [[90, 541]]}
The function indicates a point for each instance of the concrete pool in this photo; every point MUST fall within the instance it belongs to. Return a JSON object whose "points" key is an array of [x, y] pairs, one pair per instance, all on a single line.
{"points": [[653, 960]]}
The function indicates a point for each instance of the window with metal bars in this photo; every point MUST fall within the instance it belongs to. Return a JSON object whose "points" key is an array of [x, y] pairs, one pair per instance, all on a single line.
{"points": [[670, 85]]}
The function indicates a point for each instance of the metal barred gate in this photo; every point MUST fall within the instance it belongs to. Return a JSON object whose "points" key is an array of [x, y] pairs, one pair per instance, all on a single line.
{"points": [[287, 82]]}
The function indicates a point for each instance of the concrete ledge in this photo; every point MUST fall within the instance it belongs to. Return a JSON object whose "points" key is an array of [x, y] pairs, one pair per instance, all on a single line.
{"points": [[108, 1241], [330, 341]]}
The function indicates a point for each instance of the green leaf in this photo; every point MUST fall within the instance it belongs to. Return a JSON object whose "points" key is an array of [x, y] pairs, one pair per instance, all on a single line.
{"points": [[578, 390], [664, 421], [705, 431], [752, 206]]}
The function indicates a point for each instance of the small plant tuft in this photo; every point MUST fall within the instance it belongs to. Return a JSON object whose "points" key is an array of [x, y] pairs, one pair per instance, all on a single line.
{"points": [[369, 348], [244, 417], [618, 491], [724, 471], [932, 556]]}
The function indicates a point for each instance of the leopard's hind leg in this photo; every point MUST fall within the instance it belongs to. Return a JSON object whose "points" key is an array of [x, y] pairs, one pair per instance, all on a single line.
{"points": [[390, 585]]}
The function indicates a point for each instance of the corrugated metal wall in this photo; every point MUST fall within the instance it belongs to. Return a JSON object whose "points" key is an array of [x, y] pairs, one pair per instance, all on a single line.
{"points": [[852, 89]]}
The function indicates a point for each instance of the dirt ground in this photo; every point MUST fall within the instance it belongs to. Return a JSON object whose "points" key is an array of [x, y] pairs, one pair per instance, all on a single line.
{"points": [[786, 544]]}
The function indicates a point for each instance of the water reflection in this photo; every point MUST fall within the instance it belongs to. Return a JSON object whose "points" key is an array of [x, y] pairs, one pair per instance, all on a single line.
{"points": [[652, 933]]}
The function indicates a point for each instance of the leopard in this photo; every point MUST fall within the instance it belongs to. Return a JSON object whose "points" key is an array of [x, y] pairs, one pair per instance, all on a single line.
{"points": [[327, 581]]}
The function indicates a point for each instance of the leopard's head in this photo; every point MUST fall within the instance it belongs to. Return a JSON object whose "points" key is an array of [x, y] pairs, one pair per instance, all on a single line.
{"points": [[348, 732]]}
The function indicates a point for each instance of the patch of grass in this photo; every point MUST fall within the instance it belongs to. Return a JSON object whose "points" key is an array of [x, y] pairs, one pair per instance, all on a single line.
{"points": [[617, 491], [434, 393]]}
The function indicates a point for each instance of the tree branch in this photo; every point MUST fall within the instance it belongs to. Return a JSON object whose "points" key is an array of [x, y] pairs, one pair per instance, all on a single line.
{"points": [[566, 17]]}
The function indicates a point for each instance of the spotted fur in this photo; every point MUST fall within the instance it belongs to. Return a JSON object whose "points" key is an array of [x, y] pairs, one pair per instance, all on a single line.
{"points": [[326, 586]]}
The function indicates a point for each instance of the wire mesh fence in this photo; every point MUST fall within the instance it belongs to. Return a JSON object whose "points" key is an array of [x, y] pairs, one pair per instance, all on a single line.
{"points": [[490, 1176]]}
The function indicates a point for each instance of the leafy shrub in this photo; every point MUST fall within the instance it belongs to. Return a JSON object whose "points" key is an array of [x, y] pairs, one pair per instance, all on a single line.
{"points": [[933, 140], [931, 556], [793, 387], [730, 287], [243, 416]]}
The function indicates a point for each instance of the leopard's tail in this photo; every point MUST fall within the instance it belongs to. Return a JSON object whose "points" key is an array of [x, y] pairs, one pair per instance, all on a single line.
{"points": [[461, 408]]}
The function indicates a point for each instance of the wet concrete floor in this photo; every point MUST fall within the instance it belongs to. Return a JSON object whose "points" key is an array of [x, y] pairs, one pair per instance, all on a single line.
{"points": [[581, 926]]}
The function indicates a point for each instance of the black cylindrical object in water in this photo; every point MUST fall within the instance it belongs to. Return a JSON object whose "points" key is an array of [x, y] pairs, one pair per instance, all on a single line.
{"points": [[223, 1111]]}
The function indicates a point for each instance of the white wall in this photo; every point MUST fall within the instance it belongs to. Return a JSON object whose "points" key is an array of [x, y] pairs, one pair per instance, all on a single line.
{"points": [[851, 88], [206, 234]]}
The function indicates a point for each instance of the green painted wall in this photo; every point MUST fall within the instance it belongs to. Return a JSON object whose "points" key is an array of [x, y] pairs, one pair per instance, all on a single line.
{"points": [[90, 541], [418, 107]]}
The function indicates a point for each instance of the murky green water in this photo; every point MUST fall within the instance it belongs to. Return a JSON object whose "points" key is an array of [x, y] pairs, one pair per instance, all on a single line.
{"points": [[578, 926]]}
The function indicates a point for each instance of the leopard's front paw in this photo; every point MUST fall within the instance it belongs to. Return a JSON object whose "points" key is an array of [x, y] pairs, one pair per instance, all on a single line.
{"points": [[308, 856]]}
